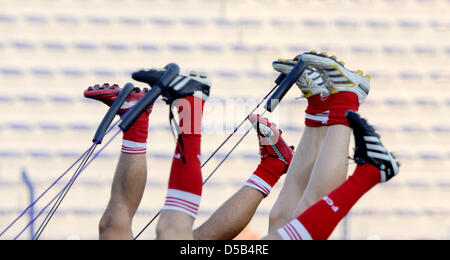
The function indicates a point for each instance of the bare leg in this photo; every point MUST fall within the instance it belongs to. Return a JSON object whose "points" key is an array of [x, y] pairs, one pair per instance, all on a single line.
{"points": [[316, 178], [330, 169], [131, 172], [297, 177], [273, 235], [316, 120], [232, 217], [126, 194], [174, 225]]}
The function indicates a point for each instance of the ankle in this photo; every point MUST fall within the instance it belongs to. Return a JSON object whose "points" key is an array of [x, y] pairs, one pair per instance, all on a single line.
{"points": [[339, 105], [317, 112]]}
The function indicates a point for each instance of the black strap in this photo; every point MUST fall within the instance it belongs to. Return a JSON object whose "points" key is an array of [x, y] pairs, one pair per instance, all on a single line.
{"points": [[174, 125]]}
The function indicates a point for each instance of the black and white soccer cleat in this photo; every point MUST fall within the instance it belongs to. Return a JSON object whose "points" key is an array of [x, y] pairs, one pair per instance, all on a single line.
{"points": [[369, 149], [197, 85]]}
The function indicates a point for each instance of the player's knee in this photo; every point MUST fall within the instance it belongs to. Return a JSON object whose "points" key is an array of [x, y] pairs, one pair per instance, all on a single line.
{"points": [[105, 224], [109, 222]]}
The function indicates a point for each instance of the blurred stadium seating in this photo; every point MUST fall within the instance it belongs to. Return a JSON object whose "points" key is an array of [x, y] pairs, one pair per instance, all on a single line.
{"points": [[53, 49]]}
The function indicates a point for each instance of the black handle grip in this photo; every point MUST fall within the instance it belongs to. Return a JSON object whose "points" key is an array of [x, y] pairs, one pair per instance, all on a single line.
{"points": [[285, 85], [280, 78], [172, 71], [112, 112]]}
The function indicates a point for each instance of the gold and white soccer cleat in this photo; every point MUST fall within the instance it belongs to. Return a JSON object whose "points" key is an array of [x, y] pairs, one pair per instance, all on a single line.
{"points": [[336, 77], [310, 82]]}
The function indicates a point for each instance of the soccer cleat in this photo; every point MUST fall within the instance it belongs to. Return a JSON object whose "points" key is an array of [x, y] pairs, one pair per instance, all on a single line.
{"points": [[369, 149], [310, 82], [197, 85], [270, 140], [148, 76], [107, 94], [336, 77]]}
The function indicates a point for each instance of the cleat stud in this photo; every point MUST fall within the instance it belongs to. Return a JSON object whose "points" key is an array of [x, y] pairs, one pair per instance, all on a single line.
{"points": [[342, 63], [334, 57], [324, 53], [313, 51]]}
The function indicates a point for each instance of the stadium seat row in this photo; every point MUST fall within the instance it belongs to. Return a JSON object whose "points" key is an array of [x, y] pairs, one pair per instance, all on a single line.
{"points": [[43, 154], [122, 47], [11, 71], [196, 21], [107, 72]]}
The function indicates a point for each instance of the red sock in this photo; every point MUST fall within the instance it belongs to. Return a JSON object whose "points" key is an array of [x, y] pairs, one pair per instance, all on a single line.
{"points": [[185, 182], [266, 175], [340, 103], [319, 221], [134, 140], [318, 111]]}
